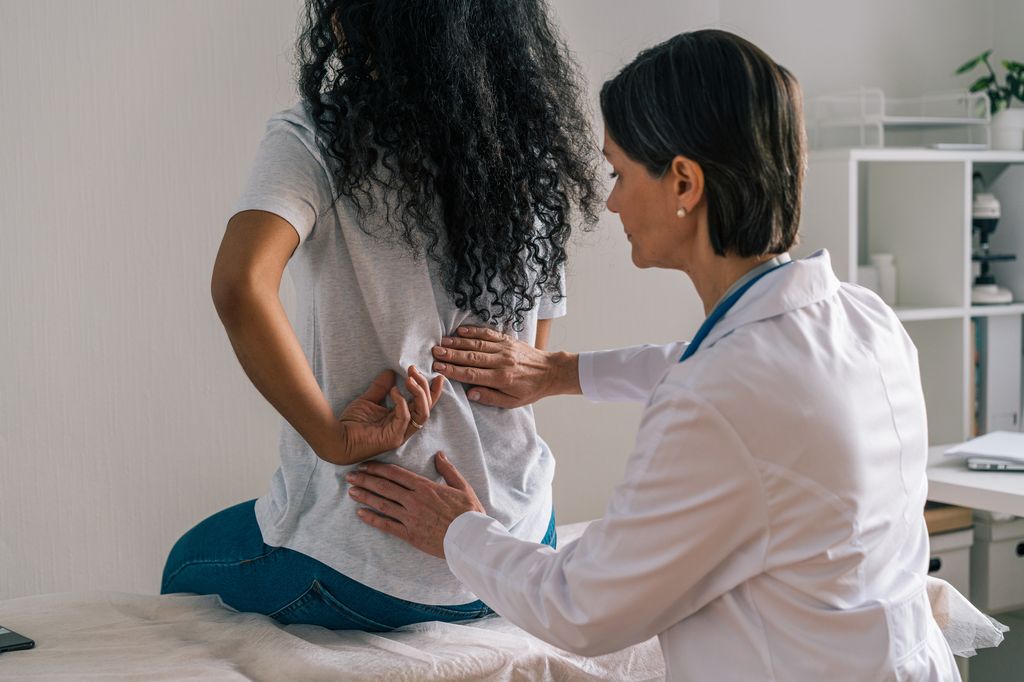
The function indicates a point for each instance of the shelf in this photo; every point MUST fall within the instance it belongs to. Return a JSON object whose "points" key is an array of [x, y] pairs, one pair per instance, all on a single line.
{"points": [[917, 154], [997, 309], [911, 314], [867, 117], [903, 121], [915, 203]]}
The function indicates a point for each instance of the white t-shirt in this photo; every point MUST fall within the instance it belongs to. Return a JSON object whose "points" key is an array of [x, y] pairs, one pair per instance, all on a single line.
{"points": [[365, 304]]}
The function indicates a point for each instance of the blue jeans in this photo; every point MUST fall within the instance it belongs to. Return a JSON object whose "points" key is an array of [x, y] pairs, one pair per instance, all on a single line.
{"points": [[225, 555]]}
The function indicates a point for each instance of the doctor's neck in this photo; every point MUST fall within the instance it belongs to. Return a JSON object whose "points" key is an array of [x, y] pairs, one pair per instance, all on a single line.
{"points": [[712, 275]]}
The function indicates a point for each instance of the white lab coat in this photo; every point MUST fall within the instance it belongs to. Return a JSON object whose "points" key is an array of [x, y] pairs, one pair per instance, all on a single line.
{"points": [[770, 525]]}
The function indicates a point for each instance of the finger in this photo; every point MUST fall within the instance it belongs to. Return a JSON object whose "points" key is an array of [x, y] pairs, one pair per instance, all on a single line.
{"points": [[399, 420], [389, 526], [380, 504], [402, 477], [416, 374], [383, 487], [469, 358], [422, 381], [451, 475], [471, 375], [378, 390], [454, 342], [420, 401], [436, 389], [485, 333], [492, 398]]}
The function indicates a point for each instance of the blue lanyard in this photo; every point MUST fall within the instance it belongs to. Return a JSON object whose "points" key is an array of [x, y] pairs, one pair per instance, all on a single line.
{"points": [[720, 310]]}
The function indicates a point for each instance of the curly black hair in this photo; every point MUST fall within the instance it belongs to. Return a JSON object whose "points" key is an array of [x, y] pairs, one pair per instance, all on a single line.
{"points": [[471, 116]]}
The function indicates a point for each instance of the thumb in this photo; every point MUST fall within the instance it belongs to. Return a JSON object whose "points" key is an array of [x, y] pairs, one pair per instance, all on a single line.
{"points": [[399, 417], [436, 388], [380, 387], [451, 475]]}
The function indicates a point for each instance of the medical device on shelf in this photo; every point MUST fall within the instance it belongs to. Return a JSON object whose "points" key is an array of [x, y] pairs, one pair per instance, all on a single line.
{"points": [[985, 214]]}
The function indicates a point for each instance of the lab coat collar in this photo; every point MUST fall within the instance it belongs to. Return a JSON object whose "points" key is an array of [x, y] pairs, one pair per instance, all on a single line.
{"points": [[802, 283]]}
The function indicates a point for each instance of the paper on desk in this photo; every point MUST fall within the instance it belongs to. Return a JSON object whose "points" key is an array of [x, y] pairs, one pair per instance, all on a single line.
{"points": [[1005, 445]]}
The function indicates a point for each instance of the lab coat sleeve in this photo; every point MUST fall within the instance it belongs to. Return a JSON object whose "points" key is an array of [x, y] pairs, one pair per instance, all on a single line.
{"points": [[626, 374], [687, 525]]}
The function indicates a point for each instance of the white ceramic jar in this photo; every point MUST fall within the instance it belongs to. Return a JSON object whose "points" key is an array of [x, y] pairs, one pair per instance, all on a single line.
{"points": [[885, 266], [1008, 129]]}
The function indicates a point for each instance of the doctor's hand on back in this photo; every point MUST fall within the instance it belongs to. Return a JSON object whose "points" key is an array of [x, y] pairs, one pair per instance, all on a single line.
{"points": [[501, 371], [411, 507]]}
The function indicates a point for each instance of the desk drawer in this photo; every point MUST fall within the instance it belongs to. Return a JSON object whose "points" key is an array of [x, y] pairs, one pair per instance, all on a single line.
{"points": [[997, 565], [951, 559]]}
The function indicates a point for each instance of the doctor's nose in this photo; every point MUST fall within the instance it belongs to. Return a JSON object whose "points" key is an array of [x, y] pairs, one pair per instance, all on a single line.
{"points": [[611, 202]]}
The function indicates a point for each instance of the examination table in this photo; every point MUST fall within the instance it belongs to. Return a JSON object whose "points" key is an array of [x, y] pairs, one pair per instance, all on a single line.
{"points": [[112, 635]]}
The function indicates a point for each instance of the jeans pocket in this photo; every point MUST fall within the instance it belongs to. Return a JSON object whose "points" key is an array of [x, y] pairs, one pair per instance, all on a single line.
{"points": [[317, 606], [448, 614]]}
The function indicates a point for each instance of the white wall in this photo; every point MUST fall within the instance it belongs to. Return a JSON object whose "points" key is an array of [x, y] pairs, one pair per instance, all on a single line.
{"points": [[906, 47], [1009, 30], [126, 130]]}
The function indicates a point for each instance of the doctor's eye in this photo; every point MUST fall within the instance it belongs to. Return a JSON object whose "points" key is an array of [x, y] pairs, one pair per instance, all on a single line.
{"points": [[613, 175]]}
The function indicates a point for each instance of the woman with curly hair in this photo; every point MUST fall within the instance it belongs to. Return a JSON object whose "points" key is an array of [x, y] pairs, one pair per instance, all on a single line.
{"points": [[425, 181]]}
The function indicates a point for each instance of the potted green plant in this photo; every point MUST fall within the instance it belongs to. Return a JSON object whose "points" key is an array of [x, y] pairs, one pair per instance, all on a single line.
{"points": [[1007, 120]]}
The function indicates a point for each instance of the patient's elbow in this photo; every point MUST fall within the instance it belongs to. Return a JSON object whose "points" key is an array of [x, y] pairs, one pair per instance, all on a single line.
{"points": [[232, 293], [223, 292]]}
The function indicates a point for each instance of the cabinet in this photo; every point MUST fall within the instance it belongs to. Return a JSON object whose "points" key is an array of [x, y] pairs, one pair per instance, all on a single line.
{"points": [[950, 559], [916, 205]]}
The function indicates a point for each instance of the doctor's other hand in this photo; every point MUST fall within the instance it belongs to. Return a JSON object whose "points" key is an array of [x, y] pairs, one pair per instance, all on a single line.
{"points": [[409, 506], [502, 371], [366, 427]]}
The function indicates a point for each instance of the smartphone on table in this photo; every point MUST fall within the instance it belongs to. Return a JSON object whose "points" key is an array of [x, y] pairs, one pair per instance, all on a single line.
{"points": [[12, 641]]}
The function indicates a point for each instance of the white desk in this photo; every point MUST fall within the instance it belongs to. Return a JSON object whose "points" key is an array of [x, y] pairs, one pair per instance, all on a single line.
{"points": [[950, 481]]}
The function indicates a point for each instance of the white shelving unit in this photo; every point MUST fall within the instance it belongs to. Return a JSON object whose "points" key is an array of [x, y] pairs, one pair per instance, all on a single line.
{"points": [[868, 118], [916, 204]]}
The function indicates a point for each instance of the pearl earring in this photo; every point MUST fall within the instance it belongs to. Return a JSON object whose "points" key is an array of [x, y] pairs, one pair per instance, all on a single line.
{"points": [[681, 212]]}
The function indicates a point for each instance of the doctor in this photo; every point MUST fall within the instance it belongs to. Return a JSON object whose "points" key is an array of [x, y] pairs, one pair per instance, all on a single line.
{"points": [[770, 523]]}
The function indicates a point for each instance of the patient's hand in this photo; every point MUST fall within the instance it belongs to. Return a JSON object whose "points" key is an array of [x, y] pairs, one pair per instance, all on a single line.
{"points": [[410, 506], [367, 428], [503, 371]]}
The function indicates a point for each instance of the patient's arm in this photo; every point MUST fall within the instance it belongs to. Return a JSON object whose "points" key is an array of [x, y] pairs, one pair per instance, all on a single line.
{"points": [[246, 279], [543, 333]]}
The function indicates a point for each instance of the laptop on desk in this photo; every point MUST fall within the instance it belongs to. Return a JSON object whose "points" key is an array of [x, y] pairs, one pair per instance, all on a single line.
{"points": [[996, 451], [990, 464]]}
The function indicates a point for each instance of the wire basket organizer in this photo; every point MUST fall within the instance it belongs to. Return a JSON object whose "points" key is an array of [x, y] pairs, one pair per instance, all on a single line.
{"points": [[867, 118]]}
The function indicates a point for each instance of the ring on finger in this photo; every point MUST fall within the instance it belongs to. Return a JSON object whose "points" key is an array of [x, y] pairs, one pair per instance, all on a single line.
{"points": [[416, 425]]}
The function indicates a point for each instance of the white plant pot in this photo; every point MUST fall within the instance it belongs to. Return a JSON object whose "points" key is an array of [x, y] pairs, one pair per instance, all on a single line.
{"points": [[1008, 129]]}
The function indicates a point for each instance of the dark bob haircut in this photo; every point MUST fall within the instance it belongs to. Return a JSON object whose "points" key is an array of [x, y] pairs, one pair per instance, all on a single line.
{"points": [[720, 101]]}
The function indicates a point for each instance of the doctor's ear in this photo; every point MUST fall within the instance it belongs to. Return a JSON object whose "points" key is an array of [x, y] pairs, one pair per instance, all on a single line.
{"points": [[686, 180]]}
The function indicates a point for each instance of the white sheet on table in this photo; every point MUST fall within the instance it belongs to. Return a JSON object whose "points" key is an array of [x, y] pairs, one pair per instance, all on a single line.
{"points": [[107, 635], [112, 635]]}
